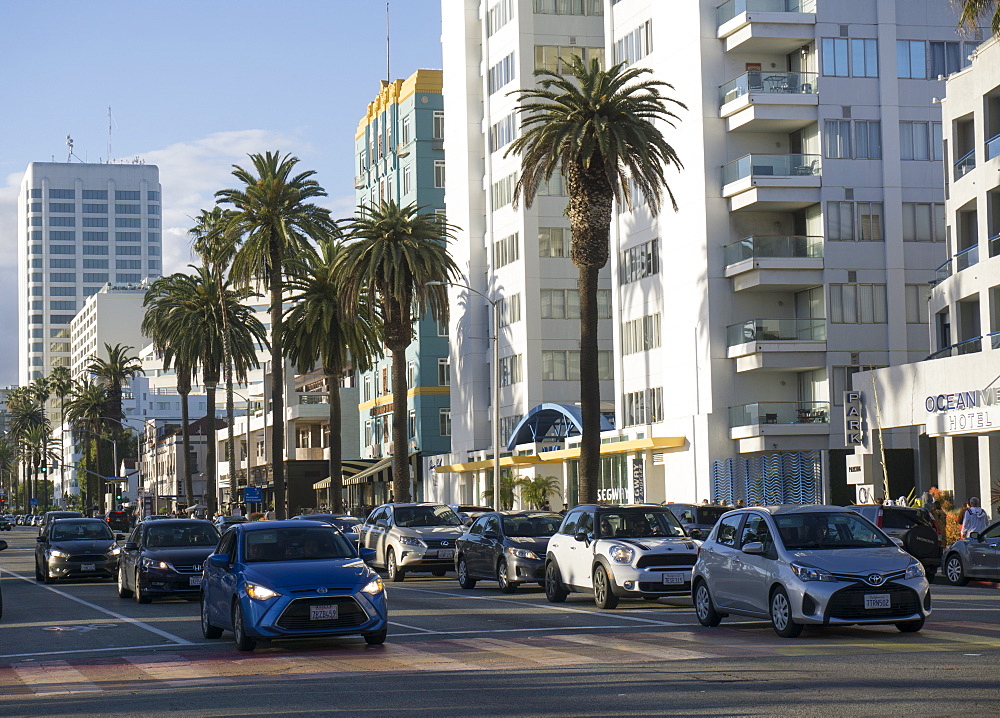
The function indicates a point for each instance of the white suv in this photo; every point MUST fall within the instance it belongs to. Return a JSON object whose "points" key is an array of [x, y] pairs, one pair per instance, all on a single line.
{"points": [[614, 552], [412, 537]]}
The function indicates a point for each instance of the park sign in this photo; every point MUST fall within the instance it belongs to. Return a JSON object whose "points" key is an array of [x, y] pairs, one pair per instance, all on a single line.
{"points": [[854, 434]]}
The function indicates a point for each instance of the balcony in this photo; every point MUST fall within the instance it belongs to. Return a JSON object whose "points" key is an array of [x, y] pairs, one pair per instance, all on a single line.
{"points": [[777, 183], [777, 26], [770, 101], [787, 425], [992, 148], [973, 345], [994, 340], [965, 164], [941, 273], [359, 181], [966, 258], [994, 243], [777, 344], [768, 262]]}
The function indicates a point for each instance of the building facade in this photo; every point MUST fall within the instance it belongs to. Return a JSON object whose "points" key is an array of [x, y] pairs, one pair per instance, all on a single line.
{"points": [[111, 316], [80, 226]]}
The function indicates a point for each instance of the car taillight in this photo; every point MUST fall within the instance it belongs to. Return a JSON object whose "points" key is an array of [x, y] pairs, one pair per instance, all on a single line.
{"points": [[878, 518]]}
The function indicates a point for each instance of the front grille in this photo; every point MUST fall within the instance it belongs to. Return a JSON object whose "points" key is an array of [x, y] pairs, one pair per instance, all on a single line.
{"points": [[194, 568], [849, 603], [439, 543], [296, 616], [88, 558], [665, 559], [654, 587]]}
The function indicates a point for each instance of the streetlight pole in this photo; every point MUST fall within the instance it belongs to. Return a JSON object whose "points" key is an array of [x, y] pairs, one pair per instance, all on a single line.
{"points": [[494, 380], [232, 499], [114, 450]]}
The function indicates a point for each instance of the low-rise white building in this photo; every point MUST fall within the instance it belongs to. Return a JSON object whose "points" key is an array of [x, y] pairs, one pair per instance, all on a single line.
{"points": [[112, 316]]}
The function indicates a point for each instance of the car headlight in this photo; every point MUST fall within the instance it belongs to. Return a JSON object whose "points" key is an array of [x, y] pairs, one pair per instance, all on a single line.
{"points": [[260, 593], [915, 570], [411, 541], [152, 563], [374, 586], [811, 573], [621, 554], [56, 553], [115, 550], [522, 553]]}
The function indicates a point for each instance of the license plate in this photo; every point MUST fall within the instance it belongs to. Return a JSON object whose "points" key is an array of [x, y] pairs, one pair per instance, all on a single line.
{"points": [[321, 613], [877, 600], [673, 578], [446, 554], [195, 580], [87, 567]]}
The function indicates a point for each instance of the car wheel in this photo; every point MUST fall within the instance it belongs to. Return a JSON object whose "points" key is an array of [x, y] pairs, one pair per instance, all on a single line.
{"points": [[554, 590], [954, 571], [651, 598], [207, 629], [376, 639], [46, 576], [393, 570], [140, 597], [464, 579], [910, 626], [438, 572], [704, 608], [604, 597], [781, 615], [123, 590], [931, 572], [243, 641], [506, 586], [38, 572]]}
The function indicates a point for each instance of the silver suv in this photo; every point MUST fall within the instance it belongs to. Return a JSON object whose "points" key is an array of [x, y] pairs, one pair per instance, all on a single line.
{"points": [[412, 537], [614, 552], [798, 565]]}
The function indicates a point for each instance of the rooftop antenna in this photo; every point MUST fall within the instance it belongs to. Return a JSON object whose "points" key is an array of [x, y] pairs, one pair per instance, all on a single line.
{"points": [[69, 144], [388, 74], [109, 133]]}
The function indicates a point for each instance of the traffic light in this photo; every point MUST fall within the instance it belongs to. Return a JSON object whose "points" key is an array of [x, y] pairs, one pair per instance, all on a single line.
{"points": [[45, 469], [118, 494]]}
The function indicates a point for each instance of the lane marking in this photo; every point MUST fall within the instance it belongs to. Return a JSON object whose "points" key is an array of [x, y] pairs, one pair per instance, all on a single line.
{"points": [[54, 678], [95, 650], [638, 648], [176, 671], [424, 660], [412, 628], [524, 652], [134, 621], [424, 631], [552, 607]]}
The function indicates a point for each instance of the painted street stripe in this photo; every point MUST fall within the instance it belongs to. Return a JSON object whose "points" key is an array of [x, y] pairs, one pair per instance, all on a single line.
{"points": [[636, 647], [54, 678], [94, 650], [540, 629], [412, 628], [135, 622], [176, 671], [425, 660], [523, 652]]}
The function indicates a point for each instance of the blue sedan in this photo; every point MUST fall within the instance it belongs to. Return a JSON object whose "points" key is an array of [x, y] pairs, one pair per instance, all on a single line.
{"points": [[279, 579]]}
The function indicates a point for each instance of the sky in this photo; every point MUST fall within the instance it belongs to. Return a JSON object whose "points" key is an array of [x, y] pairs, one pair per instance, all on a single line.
{"points": [[194, 86]]}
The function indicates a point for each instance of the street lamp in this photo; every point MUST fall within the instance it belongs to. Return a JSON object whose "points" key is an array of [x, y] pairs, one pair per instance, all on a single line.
{"points": [[232, 499], [114, 449], [495, 380]]}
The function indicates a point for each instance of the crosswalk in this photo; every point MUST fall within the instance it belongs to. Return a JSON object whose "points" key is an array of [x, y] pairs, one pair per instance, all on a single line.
{"points": [[223, 666]]}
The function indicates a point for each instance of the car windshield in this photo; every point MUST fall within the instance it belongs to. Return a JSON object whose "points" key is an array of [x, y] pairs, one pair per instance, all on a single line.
{"points": [[638, 523], [416, 516], [175, 535], [532, 525], [902, 518], [67, 530], [295, 544], [710, 514], [832, 530]]}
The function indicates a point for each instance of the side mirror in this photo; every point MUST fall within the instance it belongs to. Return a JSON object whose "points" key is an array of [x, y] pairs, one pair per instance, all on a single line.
{"points": [[696, 534], [119, 537], [131, 546], [468, 522], [368, 555], [3, 545], [582, 536], [898, 542], [40, 539], [219, 559], [490, 534], [974, 536], [754, 548]]}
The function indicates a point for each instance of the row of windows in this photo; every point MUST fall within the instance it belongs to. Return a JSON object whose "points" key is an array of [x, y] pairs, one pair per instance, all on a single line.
{"points": [[503, 191], [64, 236], [95, 194], [635, 45], [503, 132], [60, 263], [866, 136], [91, 222], [501, 74], [565, 303], [510, 370], [555, 58], [120, 222], [642, 334], [510, 309], [499, 15], [854, 221], [70, 208], [639, 262], [94, 249], [565, 365], [591, 8], [915, 59], [643, 407], [506, 250], [850, 58]]}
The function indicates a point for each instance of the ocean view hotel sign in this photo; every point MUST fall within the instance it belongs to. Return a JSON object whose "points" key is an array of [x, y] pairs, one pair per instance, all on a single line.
{"points": [[963, 412]]}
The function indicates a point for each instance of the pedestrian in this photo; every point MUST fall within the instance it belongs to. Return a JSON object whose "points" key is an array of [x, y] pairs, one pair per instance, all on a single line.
{"points": [[975, 519], [940, 520], [269, 514], [739, 503], [961, 514]]}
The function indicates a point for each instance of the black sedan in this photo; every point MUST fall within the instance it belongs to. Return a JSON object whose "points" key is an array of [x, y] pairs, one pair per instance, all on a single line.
{"points": [[165, 557], [76, 548], [347, 524], [507, 547]]}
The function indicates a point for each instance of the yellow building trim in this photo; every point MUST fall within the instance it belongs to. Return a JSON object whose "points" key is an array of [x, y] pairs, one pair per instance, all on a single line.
{"points": [[397, 91], [653, 443], [386, 399]]}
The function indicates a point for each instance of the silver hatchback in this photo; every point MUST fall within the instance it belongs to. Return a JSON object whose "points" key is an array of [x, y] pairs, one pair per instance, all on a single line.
{"points": [[800, 565]]}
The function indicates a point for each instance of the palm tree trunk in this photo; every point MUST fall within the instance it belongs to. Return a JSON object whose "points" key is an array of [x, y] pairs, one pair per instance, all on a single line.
{"points": [[186, 447], [277, 386], [62, 450], [227, 357], [336, 454], [97, 480], [400, 440], [590, 388], [211, 462]]}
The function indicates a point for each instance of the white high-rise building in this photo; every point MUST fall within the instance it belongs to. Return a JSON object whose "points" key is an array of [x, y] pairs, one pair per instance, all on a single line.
{"points": [[80, 226], [112, 316], [811, 220]]}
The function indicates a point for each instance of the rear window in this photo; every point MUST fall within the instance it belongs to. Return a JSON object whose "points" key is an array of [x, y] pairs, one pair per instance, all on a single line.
{"points": [[710, 514], [904, 518]]}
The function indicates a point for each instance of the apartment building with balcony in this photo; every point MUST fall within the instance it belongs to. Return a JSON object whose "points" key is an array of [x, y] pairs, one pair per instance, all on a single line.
{"points": [[952, 399], [810, 220]]}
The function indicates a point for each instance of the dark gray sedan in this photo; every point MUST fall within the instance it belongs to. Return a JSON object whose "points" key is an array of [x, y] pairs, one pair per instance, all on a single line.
{"points": [[507, 547], [76, 548], [975, 557]]}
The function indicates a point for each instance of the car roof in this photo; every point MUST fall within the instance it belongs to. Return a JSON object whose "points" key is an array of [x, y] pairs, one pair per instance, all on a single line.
{"points": [[259, 525], [184, 521], [796, 509], [528, 512], [414, 503], [604, 507]]}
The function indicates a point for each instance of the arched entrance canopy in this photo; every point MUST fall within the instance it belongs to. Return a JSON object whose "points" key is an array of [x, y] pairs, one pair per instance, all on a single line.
{"points": [[552, 421]]}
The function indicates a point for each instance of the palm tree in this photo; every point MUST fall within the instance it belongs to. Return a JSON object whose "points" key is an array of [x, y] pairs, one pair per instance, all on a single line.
{"points": [[319, 330], [275, 220], [61, 384], [393, 253], [597, 129], [508, 484], [114, 372], [535, 492], [86, 412], [8, 468], [974, 13], [40, 389], [39, 448], [25, 414]]}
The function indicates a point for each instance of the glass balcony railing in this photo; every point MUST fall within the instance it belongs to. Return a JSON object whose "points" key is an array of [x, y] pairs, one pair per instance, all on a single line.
{"points": [[775, 330], [973, 345], [942, 272], [994, 340], [728, 10], [967, 257], [771, 166], [993, 148], [774, 247], [965, 164], [780, 412], [776, 83], [994, 245]]}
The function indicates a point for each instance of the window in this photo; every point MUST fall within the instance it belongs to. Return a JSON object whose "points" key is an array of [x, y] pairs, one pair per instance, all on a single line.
{"points": [[95, 263], [510, 370], [127, 209], [95, 221], [405, 132], [442, 328], [64, 306], [510, 309], [62, 194], [444, 421], [62, 207], [857, 57], [152, 196], [128, 236], [62, 291], [127, 195], [128, 264], [62, 263], [565, 303], [154, 237], [36, 194], [554, 57], [128, 222], [642, 334], [920, 140], [858, 304], [62, 221], [95, 236], [503, 132], [500, 74], [635, 45], [58, 346], [61, 277], [835, 57], [438, 125], [94, 249], [916, 303], [854, 221], [923, 222], [411, 424], [128, 278], [838, 139], [95, 194], [95, 209], [407, 180], [592, 8], [555, 186], [726, 533], [864, 58], [153, 209], [95, 277], [439, 173], [153, 223], [507, 426], [444, 371], [62, 236], [639, 262], [565, 365], [553, 241], [870, 221], [643, 407], [506, 250], [503, 191], [62, 249], [127, 250], [868, 140]]}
